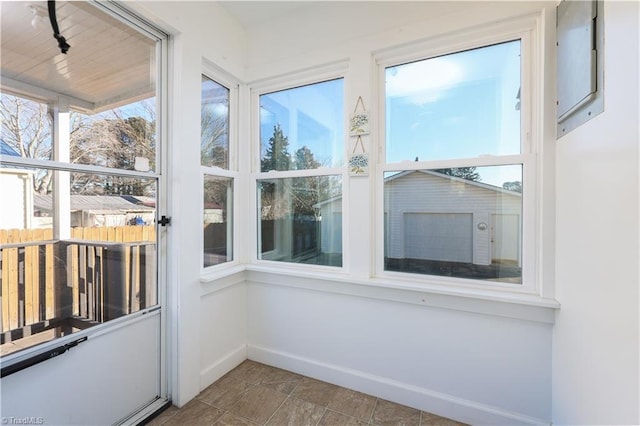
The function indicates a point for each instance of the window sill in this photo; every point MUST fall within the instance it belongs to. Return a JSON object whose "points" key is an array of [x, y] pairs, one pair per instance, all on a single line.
{"points": [[220, 278], [488, 302]]}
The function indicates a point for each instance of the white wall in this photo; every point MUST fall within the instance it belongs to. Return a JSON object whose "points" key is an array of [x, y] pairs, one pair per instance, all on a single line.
{"points": [[207, 327], [595, 345], [473, 367], [16, 186]]}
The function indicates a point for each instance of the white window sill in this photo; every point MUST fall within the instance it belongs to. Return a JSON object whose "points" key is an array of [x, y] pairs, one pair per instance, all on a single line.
{"points": [[220, 277]]}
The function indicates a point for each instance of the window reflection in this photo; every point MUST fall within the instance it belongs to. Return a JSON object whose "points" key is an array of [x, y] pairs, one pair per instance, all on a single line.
{"points": [[218, 220], [302, 128], [461, 105], [214, 124], [459, 222], [301, 220]]}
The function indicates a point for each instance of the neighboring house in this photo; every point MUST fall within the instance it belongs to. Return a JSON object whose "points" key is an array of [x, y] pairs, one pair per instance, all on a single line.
{"points": [[101, 210], [16, 189], [213, 213], [462, 220]]}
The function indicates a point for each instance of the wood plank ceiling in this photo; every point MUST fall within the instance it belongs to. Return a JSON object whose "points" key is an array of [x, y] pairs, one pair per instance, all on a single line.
{"points": [[109, 63]]}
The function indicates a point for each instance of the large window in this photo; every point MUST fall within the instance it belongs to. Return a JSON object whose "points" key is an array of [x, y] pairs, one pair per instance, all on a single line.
{"points": [[218, 174], [299, 185], [453, 179]]}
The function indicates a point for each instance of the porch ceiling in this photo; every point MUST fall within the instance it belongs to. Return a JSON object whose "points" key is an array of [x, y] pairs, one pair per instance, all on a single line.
{"points": [[108, 64]]}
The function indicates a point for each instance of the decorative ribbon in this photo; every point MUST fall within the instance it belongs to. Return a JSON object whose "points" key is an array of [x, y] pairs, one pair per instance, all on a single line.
{"points": [[360, 102]]}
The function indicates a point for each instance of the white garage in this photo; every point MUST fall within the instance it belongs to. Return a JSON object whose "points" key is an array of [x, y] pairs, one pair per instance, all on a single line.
{"points": [[436, 217], [439, 236]]}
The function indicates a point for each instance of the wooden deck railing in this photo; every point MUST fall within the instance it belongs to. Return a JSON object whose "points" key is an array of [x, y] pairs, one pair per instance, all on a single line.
{"points": [[97, 275]]}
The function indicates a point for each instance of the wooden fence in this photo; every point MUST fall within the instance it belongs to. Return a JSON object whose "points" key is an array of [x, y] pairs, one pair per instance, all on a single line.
{"points": [[96, 275]]}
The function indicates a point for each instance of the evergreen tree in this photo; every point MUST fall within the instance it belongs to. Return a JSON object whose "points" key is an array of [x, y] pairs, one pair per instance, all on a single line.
{"points": [[515, 186], [277, 156], [303, 159], [468, 173]]}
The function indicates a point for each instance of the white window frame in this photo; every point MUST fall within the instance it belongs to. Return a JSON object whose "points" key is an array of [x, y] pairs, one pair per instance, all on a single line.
{"points": [[222, 78], [284, 82], [529, 31]]}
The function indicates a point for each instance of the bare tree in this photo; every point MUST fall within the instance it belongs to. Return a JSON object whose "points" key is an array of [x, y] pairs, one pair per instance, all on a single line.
{"points": [[109, 139], [214, 142], [26, 127]]}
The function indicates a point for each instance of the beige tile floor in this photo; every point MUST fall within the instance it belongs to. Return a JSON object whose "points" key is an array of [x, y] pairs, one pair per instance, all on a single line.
{"points": [[257, 394]]}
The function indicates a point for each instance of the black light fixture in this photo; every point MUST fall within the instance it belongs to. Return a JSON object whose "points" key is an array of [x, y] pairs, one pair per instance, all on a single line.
{"points": [[62, 42]]}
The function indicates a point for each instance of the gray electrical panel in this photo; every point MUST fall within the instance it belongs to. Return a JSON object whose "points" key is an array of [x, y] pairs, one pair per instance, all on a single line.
{"points": [[579, 63]]}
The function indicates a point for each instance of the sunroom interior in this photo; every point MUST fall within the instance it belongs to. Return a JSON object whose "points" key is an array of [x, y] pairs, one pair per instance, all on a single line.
{"points": [[390, 204]]}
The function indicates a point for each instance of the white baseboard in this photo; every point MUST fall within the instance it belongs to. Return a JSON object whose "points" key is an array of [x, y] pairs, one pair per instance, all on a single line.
{"points": [[402, 393], [222, 366]]}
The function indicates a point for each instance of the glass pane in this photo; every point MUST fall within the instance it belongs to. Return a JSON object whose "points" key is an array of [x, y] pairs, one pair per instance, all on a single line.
{"points": [[87, 258], [302, 128], [459, 222], [121, 138], [301, 220], [214, 124], [218, 220], [461, 105], [26, 128]]}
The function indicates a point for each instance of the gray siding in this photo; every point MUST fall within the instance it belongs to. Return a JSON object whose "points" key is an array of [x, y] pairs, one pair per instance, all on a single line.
{"points": [[420, 192]]}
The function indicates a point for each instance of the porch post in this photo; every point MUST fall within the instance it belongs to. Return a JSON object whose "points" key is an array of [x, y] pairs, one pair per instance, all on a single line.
{"points": [[61, 136], [61, 133]]}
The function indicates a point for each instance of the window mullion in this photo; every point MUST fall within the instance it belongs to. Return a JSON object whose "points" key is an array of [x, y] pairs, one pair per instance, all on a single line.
{"points": [[488, 160]]}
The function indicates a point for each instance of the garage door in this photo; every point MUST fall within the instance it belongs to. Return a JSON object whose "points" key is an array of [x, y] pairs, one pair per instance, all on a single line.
{"points": [[438, 236]]}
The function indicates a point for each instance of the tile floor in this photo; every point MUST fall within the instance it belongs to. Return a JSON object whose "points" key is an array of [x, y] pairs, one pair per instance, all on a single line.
{"points": [[257, 394]]}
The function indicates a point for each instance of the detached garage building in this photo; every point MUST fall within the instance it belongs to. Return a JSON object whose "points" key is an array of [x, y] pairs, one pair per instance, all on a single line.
{"points": [[438, 217], [445, 218]]}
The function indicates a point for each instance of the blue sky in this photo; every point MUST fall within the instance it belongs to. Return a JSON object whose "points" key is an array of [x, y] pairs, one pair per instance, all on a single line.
{"points": [[318, 121], [462, 105]]}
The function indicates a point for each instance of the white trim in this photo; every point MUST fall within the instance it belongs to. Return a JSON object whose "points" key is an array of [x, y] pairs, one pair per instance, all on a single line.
{"points": [[459, 40], [74, 167], [226, 80], [319, 74], [484, 161], [320, 171], [221, 279], [219, 172], [163, 236], [403, 393], [215, 371], [43, 95], [298, 78]]}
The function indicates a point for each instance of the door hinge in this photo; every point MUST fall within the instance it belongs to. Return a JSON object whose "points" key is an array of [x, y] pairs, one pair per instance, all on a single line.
{"points": [[164, 221]]}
